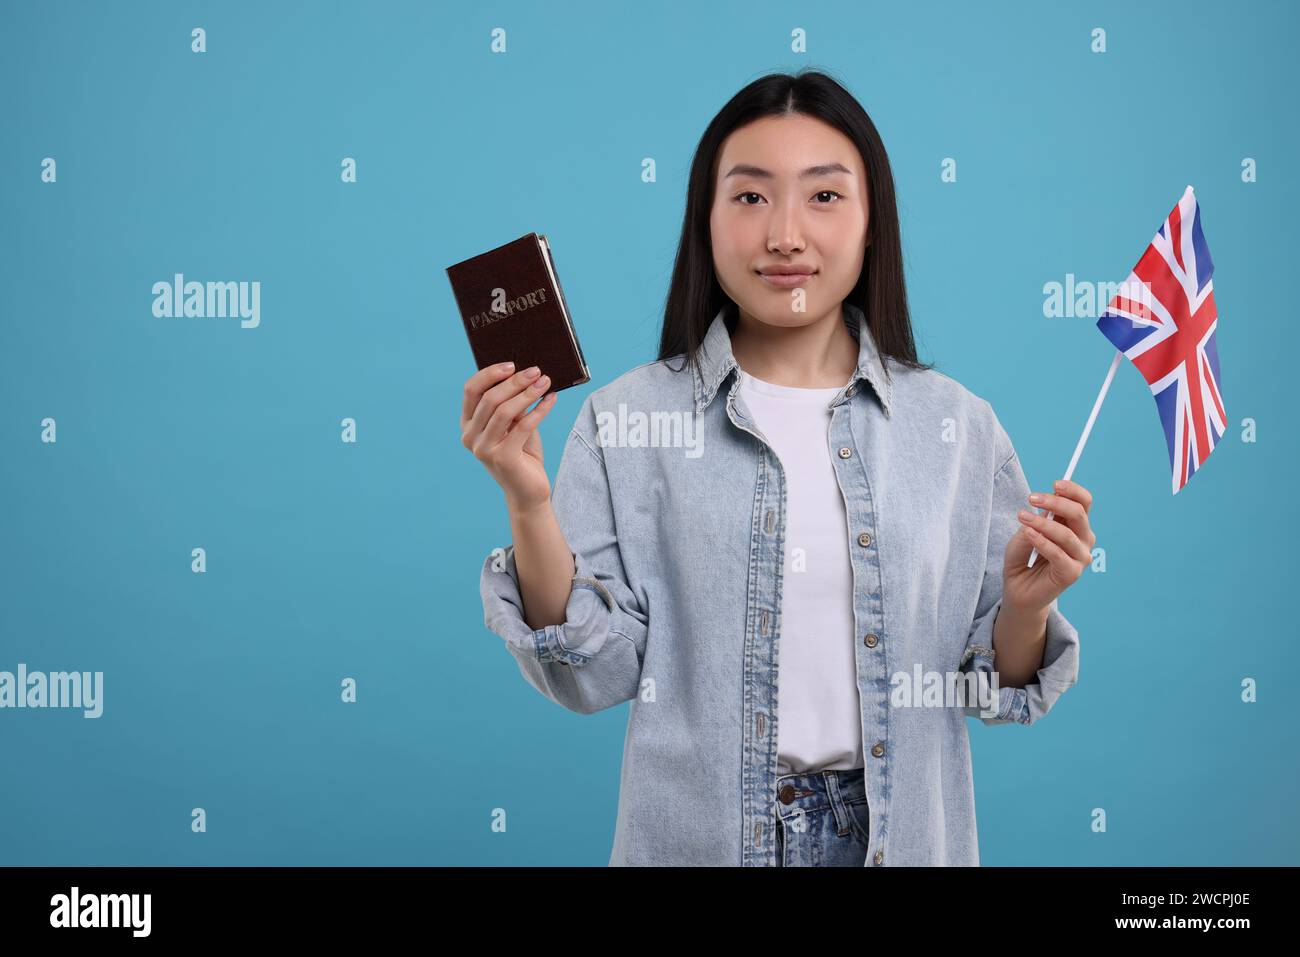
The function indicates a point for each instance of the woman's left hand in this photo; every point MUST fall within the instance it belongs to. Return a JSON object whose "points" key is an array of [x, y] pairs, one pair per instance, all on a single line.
{"points": [[1064, 544]]}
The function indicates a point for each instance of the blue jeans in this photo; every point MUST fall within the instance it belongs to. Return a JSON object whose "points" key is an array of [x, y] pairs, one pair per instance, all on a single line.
{"points": [[822, 819]]}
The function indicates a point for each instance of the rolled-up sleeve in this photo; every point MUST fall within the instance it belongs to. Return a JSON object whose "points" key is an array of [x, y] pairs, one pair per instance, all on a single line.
{"points": [[591, 660], [1060, 668]]}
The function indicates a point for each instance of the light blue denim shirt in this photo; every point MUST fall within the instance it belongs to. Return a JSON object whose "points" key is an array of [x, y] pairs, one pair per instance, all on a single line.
{"points": [[678, 535]]}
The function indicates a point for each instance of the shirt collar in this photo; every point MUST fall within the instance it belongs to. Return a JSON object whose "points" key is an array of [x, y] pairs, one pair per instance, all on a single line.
{"points": [[715, 361]]}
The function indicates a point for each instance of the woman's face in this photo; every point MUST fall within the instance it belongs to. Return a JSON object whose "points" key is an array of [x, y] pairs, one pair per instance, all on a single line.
{"points": [[791, 192]]}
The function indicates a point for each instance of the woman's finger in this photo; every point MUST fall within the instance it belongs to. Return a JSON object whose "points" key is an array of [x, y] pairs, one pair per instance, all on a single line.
{"points": [[1066, 511], [1051, 551], [479, 383], [1062, 506], [503, 391], [1058, 532], [519, 435], [1075, 491], [503, 417]]}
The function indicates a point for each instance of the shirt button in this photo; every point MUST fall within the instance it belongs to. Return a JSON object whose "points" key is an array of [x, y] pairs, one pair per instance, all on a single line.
{"points": [[786, 794], [845, 452], [864, 539], [871, 641], [877, 750], [880, 857], [850, 392]]}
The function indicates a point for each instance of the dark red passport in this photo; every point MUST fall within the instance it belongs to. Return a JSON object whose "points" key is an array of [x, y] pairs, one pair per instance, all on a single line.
{"points": [[513, 308]]}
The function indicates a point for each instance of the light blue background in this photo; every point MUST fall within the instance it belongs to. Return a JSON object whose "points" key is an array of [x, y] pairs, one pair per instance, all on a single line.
{"points": [[328, 560]]}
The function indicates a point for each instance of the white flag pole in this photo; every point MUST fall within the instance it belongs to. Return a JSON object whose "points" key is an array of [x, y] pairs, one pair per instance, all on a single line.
{"points": [[1078, 449]]}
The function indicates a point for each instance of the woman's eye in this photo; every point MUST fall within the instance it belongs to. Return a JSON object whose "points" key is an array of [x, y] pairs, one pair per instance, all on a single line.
{"points": [[740, 197]]}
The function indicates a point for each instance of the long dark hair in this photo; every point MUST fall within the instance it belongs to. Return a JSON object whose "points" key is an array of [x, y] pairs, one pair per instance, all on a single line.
{"points": [[694, 294]]}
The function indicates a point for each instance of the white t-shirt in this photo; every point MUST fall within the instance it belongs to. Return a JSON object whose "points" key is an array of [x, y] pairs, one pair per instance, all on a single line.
{"points": [[819, 718]]}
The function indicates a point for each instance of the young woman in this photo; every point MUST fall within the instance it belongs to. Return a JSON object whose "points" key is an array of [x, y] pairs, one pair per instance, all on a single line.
{"points": [[794, 548]]}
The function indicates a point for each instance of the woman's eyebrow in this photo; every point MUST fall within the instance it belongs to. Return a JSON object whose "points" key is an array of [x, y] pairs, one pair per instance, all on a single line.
{"points": [[825, 169]]}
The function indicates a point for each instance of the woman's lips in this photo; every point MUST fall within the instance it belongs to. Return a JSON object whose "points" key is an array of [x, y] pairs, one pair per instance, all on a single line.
{"points": [[786, 281]]}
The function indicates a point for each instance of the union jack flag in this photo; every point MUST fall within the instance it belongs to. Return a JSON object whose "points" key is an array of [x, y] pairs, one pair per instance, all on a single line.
{"points": [[1164, 319]]}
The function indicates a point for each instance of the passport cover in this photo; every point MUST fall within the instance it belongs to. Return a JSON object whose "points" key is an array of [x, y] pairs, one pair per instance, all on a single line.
{"points": [[513, 310]]}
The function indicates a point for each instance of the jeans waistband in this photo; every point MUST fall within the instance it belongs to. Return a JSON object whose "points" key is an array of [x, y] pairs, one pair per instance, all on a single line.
{"points": [[817, 790]]}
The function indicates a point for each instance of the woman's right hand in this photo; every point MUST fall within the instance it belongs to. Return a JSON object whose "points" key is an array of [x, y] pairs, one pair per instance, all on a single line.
{"points": [[496, 429]]}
